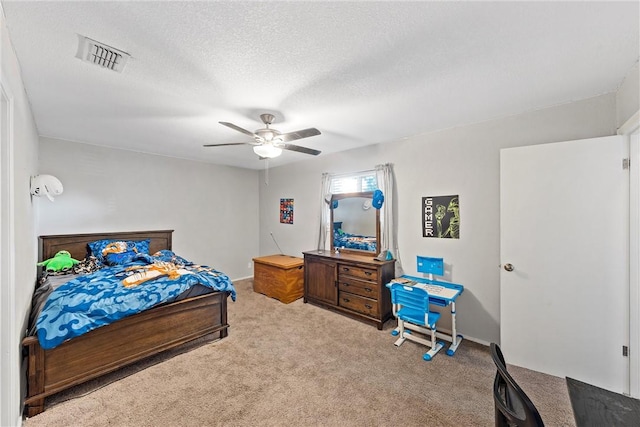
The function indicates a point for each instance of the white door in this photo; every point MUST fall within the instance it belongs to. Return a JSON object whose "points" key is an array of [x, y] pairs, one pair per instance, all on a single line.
{"points": [[564, 229]]}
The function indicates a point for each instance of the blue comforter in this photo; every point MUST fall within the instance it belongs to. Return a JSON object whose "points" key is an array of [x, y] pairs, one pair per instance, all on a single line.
{"points": [[353, 241], [97, 299]]}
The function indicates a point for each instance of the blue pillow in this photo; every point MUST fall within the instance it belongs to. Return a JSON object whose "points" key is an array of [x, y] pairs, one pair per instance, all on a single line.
{"points": [[120, 258], [112, 252], [169, 256]]}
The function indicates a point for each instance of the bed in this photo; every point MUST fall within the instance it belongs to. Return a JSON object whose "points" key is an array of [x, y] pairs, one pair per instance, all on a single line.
{"points": [[125, 341]]}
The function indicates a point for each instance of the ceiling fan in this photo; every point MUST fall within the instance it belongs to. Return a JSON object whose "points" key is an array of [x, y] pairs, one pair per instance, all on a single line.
{"points": [[269, 142]]}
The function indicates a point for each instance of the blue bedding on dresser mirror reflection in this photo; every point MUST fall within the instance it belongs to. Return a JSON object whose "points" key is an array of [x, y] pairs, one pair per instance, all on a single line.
{"points": [[355, 224]]}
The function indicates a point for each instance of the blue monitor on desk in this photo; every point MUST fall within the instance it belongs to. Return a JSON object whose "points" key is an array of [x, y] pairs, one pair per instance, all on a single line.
{"points": [[431, 266]]}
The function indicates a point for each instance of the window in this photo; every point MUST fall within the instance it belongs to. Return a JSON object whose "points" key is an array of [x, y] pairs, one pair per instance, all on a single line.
{"points": [[354, 182]]}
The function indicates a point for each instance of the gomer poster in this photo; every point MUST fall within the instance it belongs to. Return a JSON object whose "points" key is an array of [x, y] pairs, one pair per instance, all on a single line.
{"points": [[441, 217]]}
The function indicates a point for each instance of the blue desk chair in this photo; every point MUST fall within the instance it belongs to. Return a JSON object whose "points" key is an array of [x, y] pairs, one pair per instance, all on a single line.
{"points": [[411, 308]]}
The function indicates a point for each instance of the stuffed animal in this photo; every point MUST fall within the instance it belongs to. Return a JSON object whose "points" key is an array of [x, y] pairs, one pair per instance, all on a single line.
{"points": [[60, 262]]}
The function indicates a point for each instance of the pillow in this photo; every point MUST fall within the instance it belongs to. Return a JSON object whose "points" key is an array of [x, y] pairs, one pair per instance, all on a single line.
{"points": [[120, 258], [169, 256], [113, 252]]}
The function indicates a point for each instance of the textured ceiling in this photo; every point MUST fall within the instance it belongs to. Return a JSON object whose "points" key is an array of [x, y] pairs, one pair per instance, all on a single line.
{"points": [[361, 72]]}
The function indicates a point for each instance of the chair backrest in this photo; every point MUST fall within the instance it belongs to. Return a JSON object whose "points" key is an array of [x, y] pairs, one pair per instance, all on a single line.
{"points": [[410, 297], [513, 407]]}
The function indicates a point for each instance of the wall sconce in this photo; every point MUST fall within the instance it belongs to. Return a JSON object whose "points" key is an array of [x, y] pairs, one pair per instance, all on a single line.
{"points": [[46, 185]]}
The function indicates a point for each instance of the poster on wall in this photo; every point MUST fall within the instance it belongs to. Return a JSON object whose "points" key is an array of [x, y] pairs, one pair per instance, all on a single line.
{"points": [[286, 211], [441, 217]]}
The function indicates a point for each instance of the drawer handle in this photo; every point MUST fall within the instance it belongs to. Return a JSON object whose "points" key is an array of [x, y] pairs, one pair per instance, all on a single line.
{"points": [[368, 289], [345, 299], [368, 306], [368, 273], [345, 268]]}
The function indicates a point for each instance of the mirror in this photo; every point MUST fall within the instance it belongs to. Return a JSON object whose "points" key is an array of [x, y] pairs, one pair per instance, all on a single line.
{"points": [[355, 224]]}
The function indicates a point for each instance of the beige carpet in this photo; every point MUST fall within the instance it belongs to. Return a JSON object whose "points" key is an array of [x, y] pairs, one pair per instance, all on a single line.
{"points": [[300, 365]]}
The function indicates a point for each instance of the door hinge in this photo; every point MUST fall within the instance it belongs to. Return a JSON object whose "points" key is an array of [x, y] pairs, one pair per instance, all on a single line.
{"points": [[625, 351], [626, 163]]}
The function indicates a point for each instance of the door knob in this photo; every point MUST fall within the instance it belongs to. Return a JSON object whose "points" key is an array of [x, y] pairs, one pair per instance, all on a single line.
{"points": [[508, 267]]}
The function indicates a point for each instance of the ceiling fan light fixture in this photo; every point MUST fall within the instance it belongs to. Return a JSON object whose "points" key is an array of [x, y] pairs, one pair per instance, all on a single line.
{"points": [[267, 150], [269, 143]]}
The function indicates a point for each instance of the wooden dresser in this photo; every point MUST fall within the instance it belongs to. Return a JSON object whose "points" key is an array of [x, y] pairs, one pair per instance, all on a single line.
{"points": [[350, 284], [279, 277]]}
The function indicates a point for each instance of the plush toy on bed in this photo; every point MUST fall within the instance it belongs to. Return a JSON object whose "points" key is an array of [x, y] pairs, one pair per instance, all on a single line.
{"points": [[60, 262]]}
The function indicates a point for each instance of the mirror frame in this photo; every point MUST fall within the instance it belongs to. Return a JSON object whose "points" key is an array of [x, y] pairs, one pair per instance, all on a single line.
{"points": [[364, 194]]}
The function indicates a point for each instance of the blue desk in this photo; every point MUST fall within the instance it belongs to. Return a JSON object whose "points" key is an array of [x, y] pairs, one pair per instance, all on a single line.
{"points": [[442, 294]]}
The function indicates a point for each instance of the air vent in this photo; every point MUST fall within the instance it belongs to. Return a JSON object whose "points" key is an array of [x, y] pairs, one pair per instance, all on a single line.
{"points": [[101, 54]]}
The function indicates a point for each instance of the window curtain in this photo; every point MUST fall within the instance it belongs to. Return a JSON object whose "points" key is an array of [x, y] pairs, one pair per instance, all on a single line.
{"points": [[388, 226], [325, 213]]}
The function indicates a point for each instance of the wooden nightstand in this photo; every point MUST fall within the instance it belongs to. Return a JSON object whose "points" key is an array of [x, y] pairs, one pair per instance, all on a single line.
{"points": [[279, 276]]}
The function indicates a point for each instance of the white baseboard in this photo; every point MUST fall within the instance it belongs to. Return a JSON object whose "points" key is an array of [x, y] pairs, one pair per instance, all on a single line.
{"points": [[476, 340]]}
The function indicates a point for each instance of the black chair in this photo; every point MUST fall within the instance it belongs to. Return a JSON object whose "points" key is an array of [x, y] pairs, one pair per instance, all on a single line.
{"points": [[513, 407]]}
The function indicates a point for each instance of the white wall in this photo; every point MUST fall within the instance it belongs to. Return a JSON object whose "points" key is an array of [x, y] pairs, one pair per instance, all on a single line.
{"points": [[462, 161], [212, 208], [25, 162], [628, 96]]}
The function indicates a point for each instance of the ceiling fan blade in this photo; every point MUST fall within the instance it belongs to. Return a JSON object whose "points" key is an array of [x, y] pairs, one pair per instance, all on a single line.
{"points": [[299, 149], [239, 129], [230, 143], [299, 134]]}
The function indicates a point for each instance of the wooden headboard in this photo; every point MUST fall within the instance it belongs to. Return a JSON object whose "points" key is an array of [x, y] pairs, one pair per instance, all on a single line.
{"points": [[76, 244]]}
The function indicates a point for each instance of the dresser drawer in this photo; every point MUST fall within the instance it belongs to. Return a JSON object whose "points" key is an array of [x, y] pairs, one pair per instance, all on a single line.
{"points": [[359, 287], [356, 271], [358, 303]]}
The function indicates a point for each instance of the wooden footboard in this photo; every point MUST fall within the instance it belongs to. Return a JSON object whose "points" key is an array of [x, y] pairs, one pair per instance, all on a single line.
{"points": [[119, 344]]}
